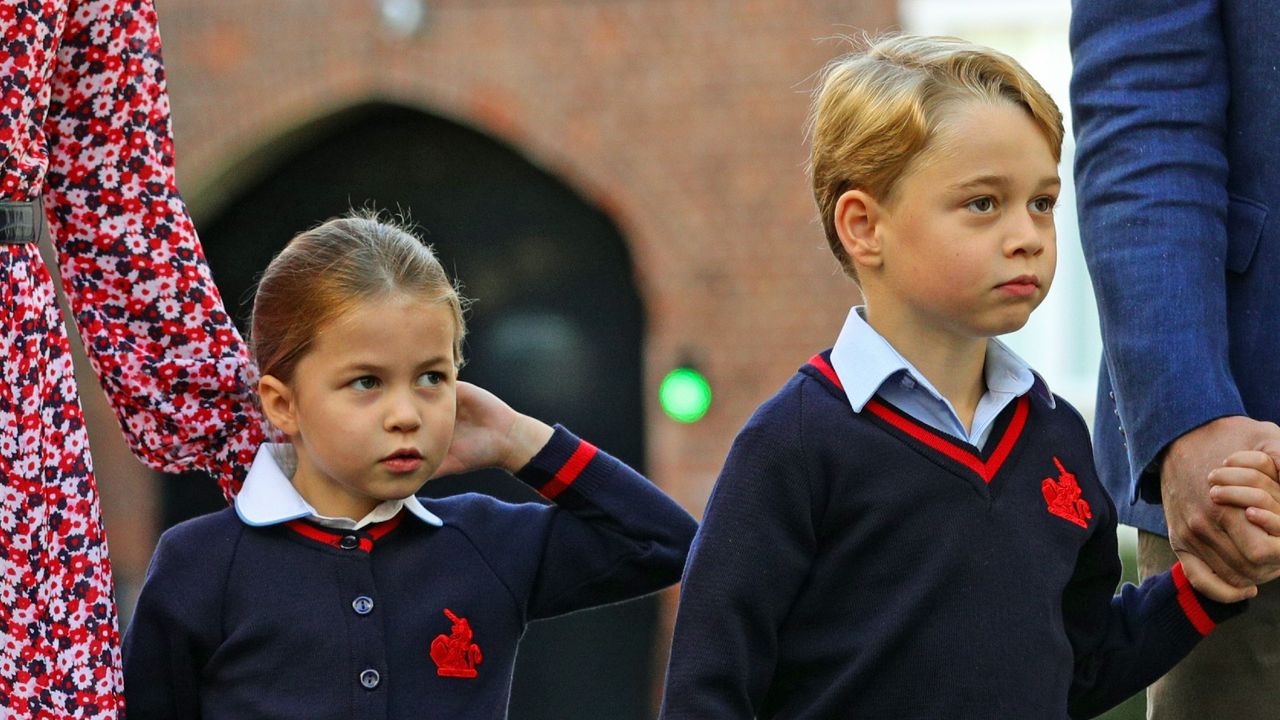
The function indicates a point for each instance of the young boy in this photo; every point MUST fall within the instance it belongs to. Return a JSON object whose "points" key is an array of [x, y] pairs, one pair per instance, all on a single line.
{"points": [[912, 526]]}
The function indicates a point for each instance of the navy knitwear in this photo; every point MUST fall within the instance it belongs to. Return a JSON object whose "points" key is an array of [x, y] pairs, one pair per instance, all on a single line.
{"points": [[404, 618], [866, 565]]}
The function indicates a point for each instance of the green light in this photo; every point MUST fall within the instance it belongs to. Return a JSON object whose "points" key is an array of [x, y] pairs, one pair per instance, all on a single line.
{"points": [[685, 395]]}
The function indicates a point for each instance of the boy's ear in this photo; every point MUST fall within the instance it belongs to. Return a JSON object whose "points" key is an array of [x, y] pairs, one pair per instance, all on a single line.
{"points": [[278, 404], [856, 215]]}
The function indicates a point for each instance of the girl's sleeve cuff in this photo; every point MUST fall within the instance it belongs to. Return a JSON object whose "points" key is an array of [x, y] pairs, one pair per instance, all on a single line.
{"points": [[564, 461]]}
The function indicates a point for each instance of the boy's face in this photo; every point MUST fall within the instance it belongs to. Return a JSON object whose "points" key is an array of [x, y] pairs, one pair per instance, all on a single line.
{"points": [[968, 240], [372, 405]]}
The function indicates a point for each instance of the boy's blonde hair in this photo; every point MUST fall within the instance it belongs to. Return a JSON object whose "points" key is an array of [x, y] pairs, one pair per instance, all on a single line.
{"points": [[326, 271], [876, 110]]}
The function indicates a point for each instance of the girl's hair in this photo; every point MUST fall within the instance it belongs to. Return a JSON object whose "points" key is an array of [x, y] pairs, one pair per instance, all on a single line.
{"points": [[875, 110], [326, 271]]}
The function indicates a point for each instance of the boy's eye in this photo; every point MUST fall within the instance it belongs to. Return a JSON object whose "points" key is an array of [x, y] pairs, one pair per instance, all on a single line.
{"points": [[1044, 204], [982, 205], [430, 378], [368, 382]]}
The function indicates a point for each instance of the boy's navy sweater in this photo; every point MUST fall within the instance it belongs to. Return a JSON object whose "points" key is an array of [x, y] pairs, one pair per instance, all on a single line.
{"points": [[863, 565], [397, 620]]}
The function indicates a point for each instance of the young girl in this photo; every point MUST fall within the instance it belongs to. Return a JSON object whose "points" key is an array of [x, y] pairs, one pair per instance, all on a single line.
{"points": [[330, 590]]}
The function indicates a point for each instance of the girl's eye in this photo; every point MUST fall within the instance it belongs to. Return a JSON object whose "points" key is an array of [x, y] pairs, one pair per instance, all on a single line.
{"points": [[368, 382], [430, 378], [1044, 204], [982, 205]]}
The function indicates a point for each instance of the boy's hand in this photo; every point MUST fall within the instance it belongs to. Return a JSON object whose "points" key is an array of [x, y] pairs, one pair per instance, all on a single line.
{"points": [[1201, 527], [1246, 483], [1249, 480], [1207, 583], [488, 433]]}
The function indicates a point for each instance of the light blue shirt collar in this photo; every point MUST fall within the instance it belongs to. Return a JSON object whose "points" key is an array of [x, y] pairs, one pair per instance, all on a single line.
{"points": [[268, 498], [864, 361]]}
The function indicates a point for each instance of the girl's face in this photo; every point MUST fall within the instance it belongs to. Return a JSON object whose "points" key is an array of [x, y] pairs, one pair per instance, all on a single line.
{"points": [[371, 406]]}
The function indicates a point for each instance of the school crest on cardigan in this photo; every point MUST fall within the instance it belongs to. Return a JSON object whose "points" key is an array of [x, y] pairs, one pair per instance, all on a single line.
{"points": [[1063, 497], [454, 654]]}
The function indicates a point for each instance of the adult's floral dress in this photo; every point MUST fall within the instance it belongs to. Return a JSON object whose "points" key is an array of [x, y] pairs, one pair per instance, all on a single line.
{"points": [[84, 125]]}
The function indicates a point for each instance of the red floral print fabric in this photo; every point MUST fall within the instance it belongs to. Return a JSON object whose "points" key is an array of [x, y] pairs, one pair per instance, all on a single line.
{"points": [[84, 125]]}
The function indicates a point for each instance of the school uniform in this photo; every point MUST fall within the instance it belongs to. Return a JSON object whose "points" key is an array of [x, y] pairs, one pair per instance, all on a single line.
{"points": [[261, 611], [857, 561]]}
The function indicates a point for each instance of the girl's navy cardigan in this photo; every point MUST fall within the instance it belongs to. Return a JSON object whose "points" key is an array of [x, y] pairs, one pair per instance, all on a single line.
{"points": [[397, 620], [863, 565]]}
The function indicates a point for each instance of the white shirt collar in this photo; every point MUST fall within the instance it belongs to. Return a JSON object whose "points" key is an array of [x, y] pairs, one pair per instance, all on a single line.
{"points": [[268, 498], [864, 360]]}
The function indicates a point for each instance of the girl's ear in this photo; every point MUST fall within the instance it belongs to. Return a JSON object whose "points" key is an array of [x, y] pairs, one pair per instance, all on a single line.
{"points": [[278, 404], [857, 215]]}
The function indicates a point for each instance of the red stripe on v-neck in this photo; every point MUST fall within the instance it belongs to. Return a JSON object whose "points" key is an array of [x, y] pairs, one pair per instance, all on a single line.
{"points": [[1010, 438], [825, 368], [929, 437]]}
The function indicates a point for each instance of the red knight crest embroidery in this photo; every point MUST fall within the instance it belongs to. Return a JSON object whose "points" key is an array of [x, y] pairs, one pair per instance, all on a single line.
{"points": [[1063, 497], [454, 654]]}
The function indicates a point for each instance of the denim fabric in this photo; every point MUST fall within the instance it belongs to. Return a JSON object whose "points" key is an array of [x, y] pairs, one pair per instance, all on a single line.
{"points": [[1177, 167]]}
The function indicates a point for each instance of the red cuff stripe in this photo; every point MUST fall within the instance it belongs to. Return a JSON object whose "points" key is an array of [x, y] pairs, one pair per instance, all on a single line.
{"points": [[1190, 603], [570, 471]]}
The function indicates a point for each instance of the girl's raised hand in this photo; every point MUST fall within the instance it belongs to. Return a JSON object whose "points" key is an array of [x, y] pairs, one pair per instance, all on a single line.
{"points": [[488, 433]]}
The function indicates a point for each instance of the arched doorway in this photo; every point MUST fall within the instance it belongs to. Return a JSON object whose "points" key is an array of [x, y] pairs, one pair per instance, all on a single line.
{"points": [[556, 330]]}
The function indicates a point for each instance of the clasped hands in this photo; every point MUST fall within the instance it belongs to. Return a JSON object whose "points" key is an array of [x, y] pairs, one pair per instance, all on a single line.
{"points": [[1221, 492]]}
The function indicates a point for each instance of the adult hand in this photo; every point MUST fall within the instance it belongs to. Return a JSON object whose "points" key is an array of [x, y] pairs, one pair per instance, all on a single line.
{"points": [[488, 433], [1237, 551]]}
